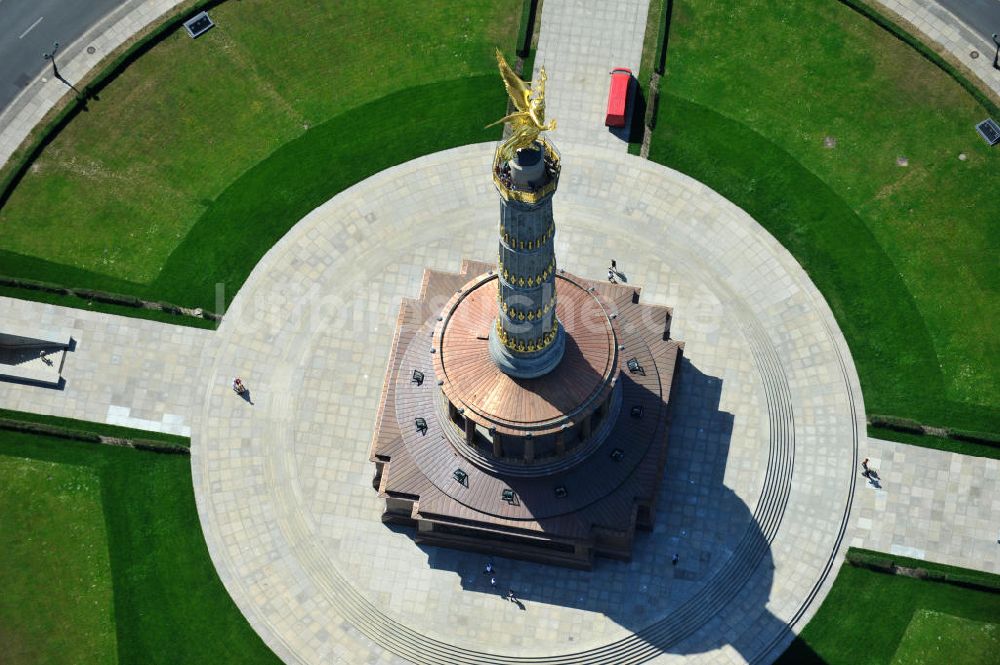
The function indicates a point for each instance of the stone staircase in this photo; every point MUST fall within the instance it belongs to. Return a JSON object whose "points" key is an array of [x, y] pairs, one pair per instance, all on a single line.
{"points": [[33, 357]]}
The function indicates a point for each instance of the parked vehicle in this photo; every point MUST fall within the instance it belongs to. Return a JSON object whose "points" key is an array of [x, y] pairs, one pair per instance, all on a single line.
{"points": [[618, 96]]}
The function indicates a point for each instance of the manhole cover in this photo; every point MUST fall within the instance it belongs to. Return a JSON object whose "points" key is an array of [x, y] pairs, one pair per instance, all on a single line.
{"points": [[91, 50], [902, 161], [830, 142], [974, 55]]}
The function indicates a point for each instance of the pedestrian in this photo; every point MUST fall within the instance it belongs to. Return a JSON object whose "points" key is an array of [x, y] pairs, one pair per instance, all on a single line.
{"points": [[611, 276], [510, 595], [238, 386], [864, 465], [614, 265], [489, 568], [493, 582], [674, 559]]}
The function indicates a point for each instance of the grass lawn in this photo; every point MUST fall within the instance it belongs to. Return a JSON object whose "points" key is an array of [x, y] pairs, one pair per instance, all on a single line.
{"points": [[56, 605], [872, 618], [934, 638], [161, 189], [93, 428], [936, 442], [905, 255], [84, 506]]}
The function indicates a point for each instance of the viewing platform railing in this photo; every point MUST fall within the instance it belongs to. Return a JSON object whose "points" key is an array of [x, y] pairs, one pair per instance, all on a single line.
{"points": [[512, 192]]}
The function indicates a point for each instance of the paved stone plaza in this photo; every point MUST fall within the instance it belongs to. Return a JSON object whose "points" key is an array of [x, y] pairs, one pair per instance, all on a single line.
{"points": [[579, 43], [122, 371], [760, 474], [762, 493], [931, 504]]}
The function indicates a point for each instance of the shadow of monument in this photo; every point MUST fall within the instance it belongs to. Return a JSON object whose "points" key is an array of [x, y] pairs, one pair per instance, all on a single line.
{"points": [[723, 574], [583, 374]]}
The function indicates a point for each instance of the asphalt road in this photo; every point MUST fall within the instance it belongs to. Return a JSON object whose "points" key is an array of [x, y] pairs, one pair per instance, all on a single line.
{"points": [[983, 16], [28, 29]]}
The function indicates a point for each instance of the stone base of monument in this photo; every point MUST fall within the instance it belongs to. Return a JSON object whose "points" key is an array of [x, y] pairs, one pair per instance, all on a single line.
{"points": [[559, 468]]}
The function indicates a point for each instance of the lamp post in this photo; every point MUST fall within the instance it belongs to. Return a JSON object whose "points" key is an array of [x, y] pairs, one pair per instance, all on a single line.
{"points": [[996, 56], [55, 70], [52, 57]]}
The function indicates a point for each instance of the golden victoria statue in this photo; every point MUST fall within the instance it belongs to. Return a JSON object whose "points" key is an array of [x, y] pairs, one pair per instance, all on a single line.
{"points": [[529, 119]]}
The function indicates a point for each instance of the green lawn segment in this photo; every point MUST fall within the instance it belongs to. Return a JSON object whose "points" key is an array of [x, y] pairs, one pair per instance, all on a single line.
{"points": [[94, 428], [933, 638], [56, 602], [169, 605], [936, 442], [905, 255], [260, 206], [124, 185], [870, 617]]}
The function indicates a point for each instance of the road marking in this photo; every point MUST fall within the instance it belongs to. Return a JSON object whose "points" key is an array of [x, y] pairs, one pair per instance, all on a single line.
{"points": [[31, 27]]}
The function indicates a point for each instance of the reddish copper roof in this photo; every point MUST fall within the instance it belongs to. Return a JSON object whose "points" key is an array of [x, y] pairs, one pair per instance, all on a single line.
{"points": [[603, 491], [574, 388]]}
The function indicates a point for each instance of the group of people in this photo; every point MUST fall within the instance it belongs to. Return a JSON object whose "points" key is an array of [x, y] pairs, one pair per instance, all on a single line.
{"points": [[492, 573], [613, 273], [504, 175]]}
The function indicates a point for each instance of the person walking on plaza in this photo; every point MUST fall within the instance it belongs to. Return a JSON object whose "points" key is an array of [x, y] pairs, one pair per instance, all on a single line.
{"points": [[241, 389], [864, 465]]}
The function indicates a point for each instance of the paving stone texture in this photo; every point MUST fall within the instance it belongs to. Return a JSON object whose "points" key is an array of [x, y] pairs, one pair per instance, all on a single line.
{"points": [[931, 504], [121, 371], [582, 41], [760, 474]]}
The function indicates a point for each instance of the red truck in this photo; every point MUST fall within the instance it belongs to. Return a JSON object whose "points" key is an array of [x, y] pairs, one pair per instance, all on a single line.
{"points": [[621, 85]]}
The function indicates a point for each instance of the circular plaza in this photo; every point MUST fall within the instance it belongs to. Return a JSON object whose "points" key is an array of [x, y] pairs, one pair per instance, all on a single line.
{"points": [[760, 470]]}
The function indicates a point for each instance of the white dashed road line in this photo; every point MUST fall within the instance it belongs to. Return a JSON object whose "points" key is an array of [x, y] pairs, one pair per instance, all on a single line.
{"points": [[30, 27]]}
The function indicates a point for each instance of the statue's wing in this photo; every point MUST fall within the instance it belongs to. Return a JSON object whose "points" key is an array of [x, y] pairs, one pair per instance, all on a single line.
{"points": [[537, 104], [540, 83], [516, 88], [519, 115]]}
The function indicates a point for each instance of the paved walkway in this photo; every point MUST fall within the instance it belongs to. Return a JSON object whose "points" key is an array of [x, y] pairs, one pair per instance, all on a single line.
{"points": [[75, 61], [762, 471], [931, 505], [123, 371], [934, 24], [580, 42], [760, 474]]}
